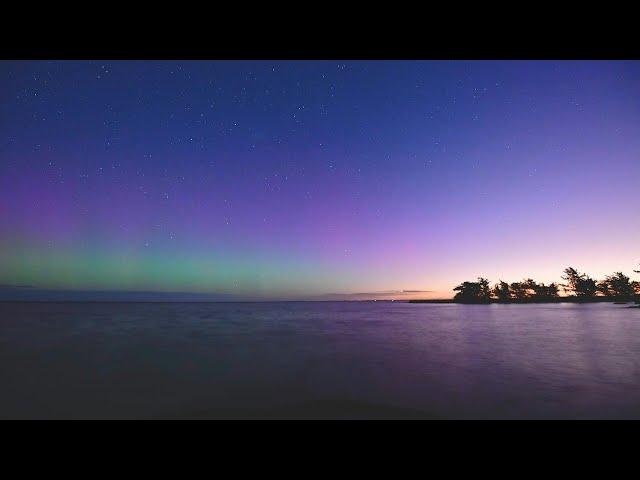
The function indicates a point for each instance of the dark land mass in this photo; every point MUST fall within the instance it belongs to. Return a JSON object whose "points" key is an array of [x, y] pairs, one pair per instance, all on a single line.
{"points": [[614, 300]]}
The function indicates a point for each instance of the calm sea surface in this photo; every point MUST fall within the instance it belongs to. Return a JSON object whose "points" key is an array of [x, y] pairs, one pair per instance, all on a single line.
{"points": [[318, 360]]}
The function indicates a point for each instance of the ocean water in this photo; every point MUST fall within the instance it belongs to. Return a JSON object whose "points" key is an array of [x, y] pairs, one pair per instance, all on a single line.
{"points": [[318, 360]]}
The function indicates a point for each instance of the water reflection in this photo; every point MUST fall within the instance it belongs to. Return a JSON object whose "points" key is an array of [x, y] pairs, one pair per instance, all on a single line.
{"points": [[446, 361]]}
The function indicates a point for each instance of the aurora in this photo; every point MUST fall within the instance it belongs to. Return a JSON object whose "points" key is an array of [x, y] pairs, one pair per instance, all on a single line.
{"points": [[296, 180]]}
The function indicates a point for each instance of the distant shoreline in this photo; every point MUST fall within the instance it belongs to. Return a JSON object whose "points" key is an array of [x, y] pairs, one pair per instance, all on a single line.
{"points": [[436, 301], [525, 301], [207, 301]]}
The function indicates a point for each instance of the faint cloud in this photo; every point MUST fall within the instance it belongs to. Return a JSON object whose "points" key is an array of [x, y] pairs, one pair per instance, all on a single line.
{"points": [[378, 295]]}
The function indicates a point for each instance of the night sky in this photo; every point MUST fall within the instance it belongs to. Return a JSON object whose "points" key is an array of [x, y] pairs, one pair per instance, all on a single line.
{"points": [[297, 180]]}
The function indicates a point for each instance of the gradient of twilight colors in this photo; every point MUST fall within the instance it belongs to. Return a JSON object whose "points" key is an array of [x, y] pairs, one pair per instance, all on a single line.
{"points": [[315, 179]]}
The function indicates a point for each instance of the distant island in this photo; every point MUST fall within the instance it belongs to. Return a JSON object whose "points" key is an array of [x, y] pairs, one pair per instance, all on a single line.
{"points": [[578, 288]]}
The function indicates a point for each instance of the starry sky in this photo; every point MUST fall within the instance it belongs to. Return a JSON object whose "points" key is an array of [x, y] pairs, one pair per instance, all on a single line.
{"points": [[315, 179]]}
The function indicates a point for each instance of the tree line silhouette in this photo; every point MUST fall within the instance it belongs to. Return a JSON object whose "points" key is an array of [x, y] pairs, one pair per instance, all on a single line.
{"points": [[578, 287]]}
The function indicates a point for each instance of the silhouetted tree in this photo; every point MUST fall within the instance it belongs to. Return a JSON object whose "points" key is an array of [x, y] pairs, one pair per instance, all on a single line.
{"points": [[553, 290], [580, 284], [544, 292], [485, 290], [520, 290], [603, 288], [636, 287], [473, 292], [502, 292], [616, 285], [527, 289], [531, 286], [571, 276]]}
